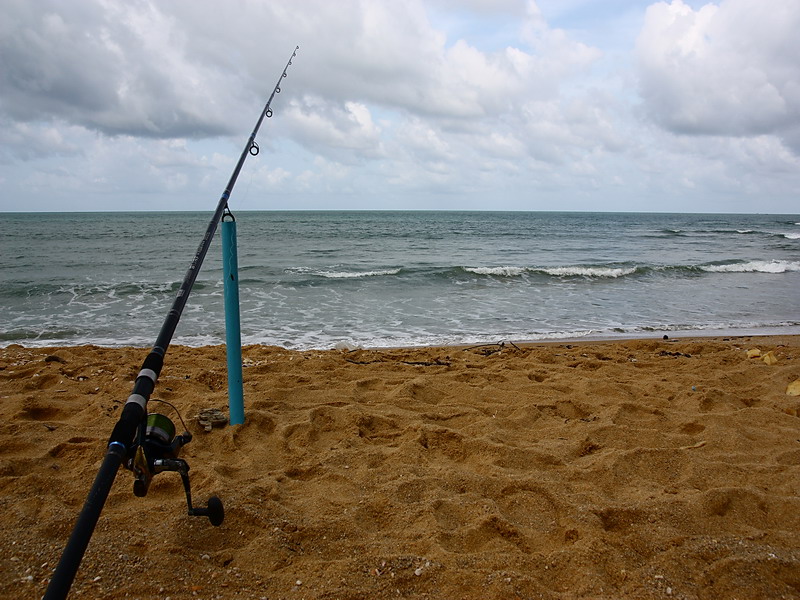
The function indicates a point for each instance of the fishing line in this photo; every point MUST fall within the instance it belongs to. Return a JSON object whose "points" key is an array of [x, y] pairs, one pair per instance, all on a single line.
{"points": [[172, 406]]}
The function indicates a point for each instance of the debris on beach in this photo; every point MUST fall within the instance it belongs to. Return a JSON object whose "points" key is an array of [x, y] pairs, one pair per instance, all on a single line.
{"points": [[770, 358], [209, 417]]}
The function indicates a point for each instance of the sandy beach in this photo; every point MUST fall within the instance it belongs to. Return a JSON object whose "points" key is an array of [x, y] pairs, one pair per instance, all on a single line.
{"points": [[621, 469]]}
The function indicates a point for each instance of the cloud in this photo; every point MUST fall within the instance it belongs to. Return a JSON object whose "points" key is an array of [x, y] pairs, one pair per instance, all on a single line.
{"points": [[484, 7], [421, 140], [109, 104], [334, 128], [730, 69], [169, 71], [26, 141], [117, 68]]}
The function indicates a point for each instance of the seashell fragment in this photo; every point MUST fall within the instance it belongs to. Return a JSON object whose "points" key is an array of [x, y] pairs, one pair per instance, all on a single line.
{"points": [[209, 417], [770, 358]]}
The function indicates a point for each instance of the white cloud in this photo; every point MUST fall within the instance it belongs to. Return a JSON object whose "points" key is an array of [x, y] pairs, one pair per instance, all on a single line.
{"points": [[423, 141], [728, 69], [332, 128], [512, 7], [30, 141], [111, 104]]}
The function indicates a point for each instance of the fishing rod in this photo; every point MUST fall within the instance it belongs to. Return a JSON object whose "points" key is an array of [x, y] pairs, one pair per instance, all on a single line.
{"points": [[146, 443]]}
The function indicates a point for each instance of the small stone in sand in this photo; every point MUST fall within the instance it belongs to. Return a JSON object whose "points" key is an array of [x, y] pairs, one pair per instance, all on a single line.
{"points": [[793, 389], [753, 353]]}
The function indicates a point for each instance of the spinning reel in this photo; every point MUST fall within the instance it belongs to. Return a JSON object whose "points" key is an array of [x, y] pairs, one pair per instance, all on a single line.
{"points": [[156, 451]]}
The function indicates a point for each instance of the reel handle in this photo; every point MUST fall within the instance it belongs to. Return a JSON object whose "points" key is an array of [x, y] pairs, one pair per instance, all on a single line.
{"points": [[214, 511]]}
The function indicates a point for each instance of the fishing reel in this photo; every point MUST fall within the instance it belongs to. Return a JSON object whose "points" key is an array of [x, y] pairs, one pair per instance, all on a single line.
{"points": [[157, 451]]}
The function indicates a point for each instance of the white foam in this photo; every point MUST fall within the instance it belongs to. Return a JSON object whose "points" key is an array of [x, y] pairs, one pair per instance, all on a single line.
{"points": [[349, 346], [755, 266], [792, 236], [499, 271], [355, 274], [590, 271], [562, 335], [556, 271]]}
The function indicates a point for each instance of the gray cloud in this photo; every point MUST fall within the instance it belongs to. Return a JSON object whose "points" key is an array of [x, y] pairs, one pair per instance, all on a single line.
{"points": [[117, 69], [731, 69], [126, 101], [22, 141]]}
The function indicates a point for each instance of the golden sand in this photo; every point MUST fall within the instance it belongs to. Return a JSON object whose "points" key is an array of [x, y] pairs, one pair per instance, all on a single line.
{"points": [[628, 469]]}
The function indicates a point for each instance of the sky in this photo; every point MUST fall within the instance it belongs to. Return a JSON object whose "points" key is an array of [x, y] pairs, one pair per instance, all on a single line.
{"points": [[588, 105]]}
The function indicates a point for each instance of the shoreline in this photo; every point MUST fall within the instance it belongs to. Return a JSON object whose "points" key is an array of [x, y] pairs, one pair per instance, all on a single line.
{"points": [[671, 336], [690, 336], [678, 334]]}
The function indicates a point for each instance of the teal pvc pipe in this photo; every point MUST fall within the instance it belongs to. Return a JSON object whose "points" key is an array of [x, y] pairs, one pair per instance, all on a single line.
{"points": [[233, 332]]}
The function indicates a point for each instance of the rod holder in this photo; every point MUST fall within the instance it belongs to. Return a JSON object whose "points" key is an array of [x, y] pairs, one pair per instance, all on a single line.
{"points": [[233, 332]]}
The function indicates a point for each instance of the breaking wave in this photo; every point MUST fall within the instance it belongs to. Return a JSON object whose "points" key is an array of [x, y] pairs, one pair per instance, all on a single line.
{"points": [[498, 271], [568, 271], [614, 272], [331, 274], [754, 266], [590, 271]]}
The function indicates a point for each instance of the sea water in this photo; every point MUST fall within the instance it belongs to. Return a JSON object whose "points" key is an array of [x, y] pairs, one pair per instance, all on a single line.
{"points": [[322, 279]]}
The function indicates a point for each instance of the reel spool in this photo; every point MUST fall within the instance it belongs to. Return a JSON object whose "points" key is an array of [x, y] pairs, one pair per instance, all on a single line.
{"points": [[160, 428], [157, 451]]}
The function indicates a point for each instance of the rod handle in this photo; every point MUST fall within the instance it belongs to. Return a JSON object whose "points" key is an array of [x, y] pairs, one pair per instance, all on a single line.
{"points": [[67, 567]]}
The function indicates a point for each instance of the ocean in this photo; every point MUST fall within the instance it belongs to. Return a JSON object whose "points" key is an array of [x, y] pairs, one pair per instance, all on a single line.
{"points": [[386, 279]]}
